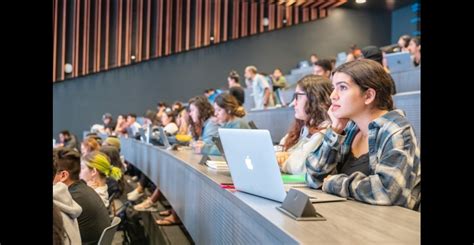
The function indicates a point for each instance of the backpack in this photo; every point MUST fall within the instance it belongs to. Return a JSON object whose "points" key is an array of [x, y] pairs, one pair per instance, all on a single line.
{"points": [[133, 230]]}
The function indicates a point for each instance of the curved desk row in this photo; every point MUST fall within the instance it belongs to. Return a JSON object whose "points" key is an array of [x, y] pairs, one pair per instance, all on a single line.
{"points": [[213, 215]]}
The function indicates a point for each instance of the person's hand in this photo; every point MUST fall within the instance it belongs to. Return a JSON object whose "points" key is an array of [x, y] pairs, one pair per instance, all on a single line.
{"points": [[281, 157], [338, 124]]}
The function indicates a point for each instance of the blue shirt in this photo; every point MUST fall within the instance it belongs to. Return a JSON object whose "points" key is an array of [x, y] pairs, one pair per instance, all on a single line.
{"points": [[259, 84], [213, 96], [210, 148]]}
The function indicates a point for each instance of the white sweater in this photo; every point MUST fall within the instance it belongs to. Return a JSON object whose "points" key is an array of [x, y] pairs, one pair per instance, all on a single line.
{"points": [[296, 162]]}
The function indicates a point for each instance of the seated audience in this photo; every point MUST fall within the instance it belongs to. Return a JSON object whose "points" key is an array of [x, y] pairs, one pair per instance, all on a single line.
{"points": [[95, 216]]}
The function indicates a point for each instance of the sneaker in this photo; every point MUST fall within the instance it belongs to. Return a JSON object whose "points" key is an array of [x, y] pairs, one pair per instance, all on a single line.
{"points": [[134, 195], [146, 205]]}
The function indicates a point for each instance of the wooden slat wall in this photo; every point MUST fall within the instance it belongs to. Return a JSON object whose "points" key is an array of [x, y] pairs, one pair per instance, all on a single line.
{"points": [[244, 18], [188, 25], [139, 31], [253, 18], [314, 14], [279, 19], [97, 35], [261, 15], [179, 29], [148, 30], [271, 16], [289, 15], [131, 22], [63, 41], [217, 21], [128, 26], [159, 24], [296, 17], [305, 14], [75, 38], [168, 26], [235, 19], [198, 16], [207, 22], [226, 11], [55, 38], [118, 31], [323, 13], [107, 29]]}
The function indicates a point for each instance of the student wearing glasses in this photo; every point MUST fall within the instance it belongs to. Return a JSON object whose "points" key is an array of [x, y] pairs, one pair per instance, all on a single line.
{"points": [[370, 151], [311, 100]]}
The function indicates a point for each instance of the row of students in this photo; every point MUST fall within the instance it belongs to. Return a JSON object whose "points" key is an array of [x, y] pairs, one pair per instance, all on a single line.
{"points": [[347, 137], [368, 151]]}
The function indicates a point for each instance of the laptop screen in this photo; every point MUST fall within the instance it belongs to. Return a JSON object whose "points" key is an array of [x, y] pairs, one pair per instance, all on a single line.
{"points": [[218, 143]]}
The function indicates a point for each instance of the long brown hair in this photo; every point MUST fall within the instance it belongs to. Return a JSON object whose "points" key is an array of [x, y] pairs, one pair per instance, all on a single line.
{"points": [[318, 90], [370, 74], [230, 104], [205, 110]]}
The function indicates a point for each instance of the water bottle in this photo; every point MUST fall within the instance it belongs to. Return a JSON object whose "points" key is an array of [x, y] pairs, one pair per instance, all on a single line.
{"points": [[148, 133]]}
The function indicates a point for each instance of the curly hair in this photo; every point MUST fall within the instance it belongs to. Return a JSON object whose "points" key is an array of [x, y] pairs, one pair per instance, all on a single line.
{"points": [[205, 110], [318, 90]]}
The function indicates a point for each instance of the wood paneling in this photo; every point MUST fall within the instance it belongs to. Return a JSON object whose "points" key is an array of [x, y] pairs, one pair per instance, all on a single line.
{"points": [[174, 23], [55, 38]]}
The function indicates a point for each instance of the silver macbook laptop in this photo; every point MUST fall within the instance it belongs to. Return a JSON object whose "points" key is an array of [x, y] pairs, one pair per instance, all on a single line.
{"points": [[398, 62], [254, 168], [164, 138], [141, 131]]}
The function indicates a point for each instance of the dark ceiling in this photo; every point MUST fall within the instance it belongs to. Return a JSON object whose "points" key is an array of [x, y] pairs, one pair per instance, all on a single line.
{"points": [[378, 4]]}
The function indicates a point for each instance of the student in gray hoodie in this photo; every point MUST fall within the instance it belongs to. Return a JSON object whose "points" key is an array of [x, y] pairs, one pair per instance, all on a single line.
{"points": [[70, 210]]}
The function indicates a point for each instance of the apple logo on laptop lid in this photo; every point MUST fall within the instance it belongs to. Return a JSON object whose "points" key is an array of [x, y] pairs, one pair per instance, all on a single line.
{"points": [[248, 162]]}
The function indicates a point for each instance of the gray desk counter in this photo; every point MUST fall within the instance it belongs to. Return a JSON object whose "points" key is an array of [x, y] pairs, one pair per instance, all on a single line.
{"points": [[213, 215]]}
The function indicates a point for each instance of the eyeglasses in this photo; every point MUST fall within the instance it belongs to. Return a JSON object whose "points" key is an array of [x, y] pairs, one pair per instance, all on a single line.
{"points": [[295, 95]]}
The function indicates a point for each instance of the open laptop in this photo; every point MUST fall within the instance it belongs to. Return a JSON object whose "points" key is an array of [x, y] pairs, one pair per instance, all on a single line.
{"points": [[398, 62], [130, 133], [164, 138], [254, 168], [252, 125], [141, 131]]}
